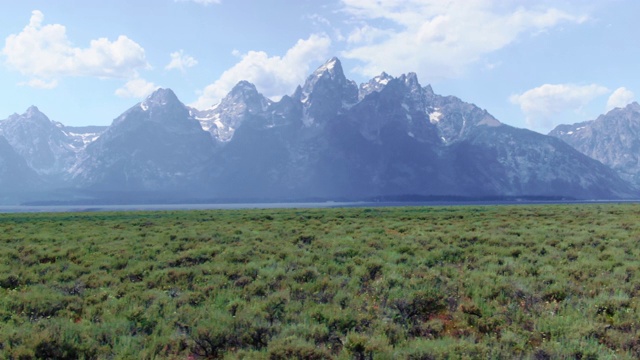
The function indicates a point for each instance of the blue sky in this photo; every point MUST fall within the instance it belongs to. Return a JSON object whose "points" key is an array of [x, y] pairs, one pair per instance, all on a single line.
{"points": [[532, 64]]}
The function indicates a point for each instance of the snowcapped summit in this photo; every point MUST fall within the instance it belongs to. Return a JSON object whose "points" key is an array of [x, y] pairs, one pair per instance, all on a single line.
{"points": [[332, 63], [333, 68], [329, 73], [374, 85], [224, 118], [383, 78], [329, 84], [330, 139]]}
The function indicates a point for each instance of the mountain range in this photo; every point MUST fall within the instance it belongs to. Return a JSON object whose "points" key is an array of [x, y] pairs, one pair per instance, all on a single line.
{"points": [[612, 138], [330, 139]]}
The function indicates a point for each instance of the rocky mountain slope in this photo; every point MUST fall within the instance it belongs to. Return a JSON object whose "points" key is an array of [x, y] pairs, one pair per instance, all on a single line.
{"points": [[154, 146], [330, 139], [612, 138], [49, 148], [16, 176], [392, 136]]}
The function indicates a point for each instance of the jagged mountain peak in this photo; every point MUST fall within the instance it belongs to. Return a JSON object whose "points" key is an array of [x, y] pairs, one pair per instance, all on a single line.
{"points": [[331, 71], [162, 94], [613, 119], [612, 139], [331, 139], [631, 108], [246, 93], [156, 144], [33, 114], [333, 67], [410, 80], [229, 113], [329, 85], [163, 108], [428, 90], [33, 111], [43, 143], [160, 97], [244, 87], [377, 83], [31, 122]]}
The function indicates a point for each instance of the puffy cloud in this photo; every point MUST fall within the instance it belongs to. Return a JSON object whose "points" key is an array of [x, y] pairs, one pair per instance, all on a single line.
{"points": [[44, 52], [136, 88], [540, 105], [439, 38], [272, 75], [621, 97], [181, 61]]}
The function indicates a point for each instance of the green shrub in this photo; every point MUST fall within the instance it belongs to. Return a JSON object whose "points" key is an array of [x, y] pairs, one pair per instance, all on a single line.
{"points": [[387, 283]]}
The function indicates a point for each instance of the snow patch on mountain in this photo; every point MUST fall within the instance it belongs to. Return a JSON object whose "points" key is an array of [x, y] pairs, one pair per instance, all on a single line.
{"points": [[222, 120], [374, 85], [435, 116]]}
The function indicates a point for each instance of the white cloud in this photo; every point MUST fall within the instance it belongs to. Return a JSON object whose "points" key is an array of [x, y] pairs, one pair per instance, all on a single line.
{"points": [[621, 97], [366, 34], [272, 75], [439, 38], [43, 52], [318, 19], [543, 104], [136, 88], [181, 61], [40, 84], [492, 65]]}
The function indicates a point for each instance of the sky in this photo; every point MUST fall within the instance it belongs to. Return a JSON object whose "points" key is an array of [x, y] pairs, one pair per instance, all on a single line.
{"points": [[530, 63]]}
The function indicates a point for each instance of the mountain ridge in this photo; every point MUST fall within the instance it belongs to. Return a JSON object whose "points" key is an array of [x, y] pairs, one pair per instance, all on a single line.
{"points": [[330, 139], [612, 138]]}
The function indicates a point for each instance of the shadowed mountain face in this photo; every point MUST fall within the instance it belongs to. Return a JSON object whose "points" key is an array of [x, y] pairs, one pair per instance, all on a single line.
{"points": [[612, 138], [154, 146], [15, 173], [330, 139], [392, 137]]}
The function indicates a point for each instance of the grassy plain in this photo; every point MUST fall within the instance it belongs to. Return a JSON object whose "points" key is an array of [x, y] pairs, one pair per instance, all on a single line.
{"points": [[530, 282]]}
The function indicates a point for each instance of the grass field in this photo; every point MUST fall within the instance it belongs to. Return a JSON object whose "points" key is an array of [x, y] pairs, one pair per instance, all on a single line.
{"points": [[531, 282]]}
